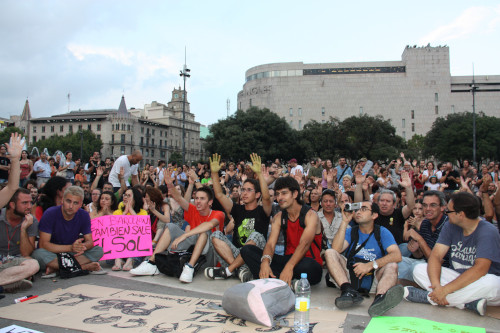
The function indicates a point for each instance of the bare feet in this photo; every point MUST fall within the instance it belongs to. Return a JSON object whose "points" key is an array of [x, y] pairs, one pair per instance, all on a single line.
{"points": [[91, 266], [118, 265], [129, 264]]}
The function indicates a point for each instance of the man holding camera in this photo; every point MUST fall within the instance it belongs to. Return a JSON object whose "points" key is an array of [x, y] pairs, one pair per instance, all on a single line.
{"points": [[372, 257]]}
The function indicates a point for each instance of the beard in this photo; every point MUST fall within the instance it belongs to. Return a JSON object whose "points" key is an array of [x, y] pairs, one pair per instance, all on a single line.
{"points": [[20, 213]]}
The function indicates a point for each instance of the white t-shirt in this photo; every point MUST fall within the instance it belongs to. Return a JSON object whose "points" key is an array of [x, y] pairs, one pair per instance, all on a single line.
{"points": [[122, 161], [295, 168]]}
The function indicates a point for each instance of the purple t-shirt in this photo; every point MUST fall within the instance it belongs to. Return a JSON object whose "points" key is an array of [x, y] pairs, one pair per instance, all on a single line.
{"points": [[64, 232], [484, 242]]}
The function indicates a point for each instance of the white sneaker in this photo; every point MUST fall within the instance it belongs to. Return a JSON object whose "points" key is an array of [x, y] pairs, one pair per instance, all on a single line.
{"points": [[145, 268], [187, 274]]}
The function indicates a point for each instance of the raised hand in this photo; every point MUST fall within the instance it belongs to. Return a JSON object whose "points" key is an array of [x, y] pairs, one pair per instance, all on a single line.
{"points": [[100, 171], [15, 147], [360, 178], [256, 163], [405, 179], [192, 176], [167, 176], [215, 163]]}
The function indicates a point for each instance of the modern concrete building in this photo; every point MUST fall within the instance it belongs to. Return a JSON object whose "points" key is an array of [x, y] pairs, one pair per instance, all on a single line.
{"points": [[411, 92], [156, 130]]}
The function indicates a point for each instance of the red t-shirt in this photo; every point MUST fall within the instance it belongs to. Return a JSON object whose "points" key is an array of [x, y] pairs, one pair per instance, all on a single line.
{"points": [[193, 217], [293, 233]]}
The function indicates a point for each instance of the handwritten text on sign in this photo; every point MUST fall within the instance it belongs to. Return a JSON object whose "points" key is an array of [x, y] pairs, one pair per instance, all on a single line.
{"points": [[123, 236]]}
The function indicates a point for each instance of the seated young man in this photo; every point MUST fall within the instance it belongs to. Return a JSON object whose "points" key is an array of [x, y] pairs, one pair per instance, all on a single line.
{"points": [[302, 232], [473, 279], [202, 220], [60, 229], [18, 229], [369, 256], [250, 226]]}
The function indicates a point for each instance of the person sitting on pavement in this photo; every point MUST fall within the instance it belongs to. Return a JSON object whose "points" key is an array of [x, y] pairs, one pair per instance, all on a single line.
{"points": [[473, 280], [51, 195], [367, 258], [106, 205], [422, 241], [131, 205], [202, 220], [250, 222], [329, 216], [60, 229], [301, 229]]}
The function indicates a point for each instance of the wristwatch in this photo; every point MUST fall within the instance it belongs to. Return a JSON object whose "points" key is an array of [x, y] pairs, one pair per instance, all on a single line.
{"points": [[375, 265]]}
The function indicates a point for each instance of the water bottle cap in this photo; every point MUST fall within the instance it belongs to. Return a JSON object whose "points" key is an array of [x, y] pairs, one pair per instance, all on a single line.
{"points": [[303, 275]]}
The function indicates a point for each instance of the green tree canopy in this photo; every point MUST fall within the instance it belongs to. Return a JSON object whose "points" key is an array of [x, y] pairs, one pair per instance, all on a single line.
{"points": [[5, 134], [450, 137], [71, 142], [370, 137], [253, 131], [320, 139]]}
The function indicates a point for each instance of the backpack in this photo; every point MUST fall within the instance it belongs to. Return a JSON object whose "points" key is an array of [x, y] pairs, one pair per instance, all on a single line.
{"points": [[302, 217], [172, 263], [69, 267]]}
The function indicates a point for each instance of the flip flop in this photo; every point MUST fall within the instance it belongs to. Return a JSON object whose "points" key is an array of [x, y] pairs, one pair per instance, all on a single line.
{"points": [[49, 276], [128, 266], [101, 271], [114, 268]]}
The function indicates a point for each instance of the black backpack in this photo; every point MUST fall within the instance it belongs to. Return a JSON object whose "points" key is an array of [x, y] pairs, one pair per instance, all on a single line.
{"points": [[349, 254], [171, 263], [302, 217]]}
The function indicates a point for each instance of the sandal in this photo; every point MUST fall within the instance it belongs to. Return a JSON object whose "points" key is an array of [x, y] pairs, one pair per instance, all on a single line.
{"points": [[128, 265], [117, 266]]}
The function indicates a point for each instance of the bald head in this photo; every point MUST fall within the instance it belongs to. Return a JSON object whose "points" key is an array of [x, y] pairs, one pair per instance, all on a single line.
{"points": [[136, 157]]}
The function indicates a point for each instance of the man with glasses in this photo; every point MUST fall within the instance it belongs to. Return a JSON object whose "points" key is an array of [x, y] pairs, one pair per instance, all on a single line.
{"points": [[473, 279], [421, 242], [250, 222], [371, 257]]}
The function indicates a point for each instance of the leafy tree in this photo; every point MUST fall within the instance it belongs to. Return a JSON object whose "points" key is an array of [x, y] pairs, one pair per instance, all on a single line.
{"points": [[370, 137], [175, 156], [5, 134], [254, 131], [319, 139], [450, 137], [416, 147], [71, 142]]}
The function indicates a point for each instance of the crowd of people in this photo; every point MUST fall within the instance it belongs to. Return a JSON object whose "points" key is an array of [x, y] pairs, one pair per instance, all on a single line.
{"points": [[403, 229]]}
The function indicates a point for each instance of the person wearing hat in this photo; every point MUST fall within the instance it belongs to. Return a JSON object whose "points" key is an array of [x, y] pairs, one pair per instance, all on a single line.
{"points": [[295, 167]]}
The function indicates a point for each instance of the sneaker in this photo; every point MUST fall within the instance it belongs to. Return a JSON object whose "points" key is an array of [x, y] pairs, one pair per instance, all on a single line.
{"points": [[245, 274], [17, 286], [145, 268], [216, 273], [478, 306], [187, 274], [387, 301], [416, 295], [349, 298]]}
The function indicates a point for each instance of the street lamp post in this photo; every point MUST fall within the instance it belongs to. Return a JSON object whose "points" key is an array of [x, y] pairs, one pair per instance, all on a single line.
{"points": [[184, 73]]}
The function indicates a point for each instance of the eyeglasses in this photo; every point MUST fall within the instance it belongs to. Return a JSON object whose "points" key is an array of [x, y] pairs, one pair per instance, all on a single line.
{"points": [[243, 190], [363, 209], [450, 211]]}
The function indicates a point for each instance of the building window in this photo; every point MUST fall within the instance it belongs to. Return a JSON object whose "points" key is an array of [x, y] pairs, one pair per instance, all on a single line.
{"points": [[160, 143], [34, 138], [412, 114], [34, 129], [52, 129], [162, 153], [98, 127], [436, 97], [291, 112], [99, 136], [153, 141], [128, 127], [89, 127], [112, 138], [453, 109], [250, 102], [404, 135], [360, 110], [152, 132], [291, 123], [322, 111], [80, 127], [323, 121], [152, 153], [300, 112], [300, 124], [43, 129], [61, 128], [436, 109], [123, 127], [43, 137], [403, 123], [142, 130], [70, 128], [122, 138], [122, 150], [413, 127], [142, 140]]}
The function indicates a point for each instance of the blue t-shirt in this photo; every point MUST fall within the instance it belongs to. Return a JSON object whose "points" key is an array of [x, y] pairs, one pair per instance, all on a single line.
{"points": [[371, 250], [484, 242], [64, 232]]}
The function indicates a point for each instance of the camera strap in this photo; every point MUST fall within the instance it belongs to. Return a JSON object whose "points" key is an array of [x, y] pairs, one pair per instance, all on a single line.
{"points": [[358, 248]]}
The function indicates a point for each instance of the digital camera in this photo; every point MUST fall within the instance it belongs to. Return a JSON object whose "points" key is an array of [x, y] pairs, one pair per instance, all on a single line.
{"points": [[350, 207]]}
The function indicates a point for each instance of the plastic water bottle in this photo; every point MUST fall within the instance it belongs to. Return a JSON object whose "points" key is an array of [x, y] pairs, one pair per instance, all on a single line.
{"points": [[302, 305]]}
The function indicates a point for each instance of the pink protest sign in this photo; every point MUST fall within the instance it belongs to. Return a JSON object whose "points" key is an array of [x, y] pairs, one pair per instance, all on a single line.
{"points": [[123, 236]]}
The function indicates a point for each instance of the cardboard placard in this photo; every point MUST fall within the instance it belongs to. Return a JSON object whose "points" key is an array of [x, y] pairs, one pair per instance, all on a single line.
{"points": [[123, 236]]}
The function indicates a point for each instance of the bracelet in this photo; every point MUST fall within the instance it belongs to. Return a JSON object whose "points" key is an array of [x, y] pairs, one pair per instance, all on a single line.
{"points": [[266, 256]]}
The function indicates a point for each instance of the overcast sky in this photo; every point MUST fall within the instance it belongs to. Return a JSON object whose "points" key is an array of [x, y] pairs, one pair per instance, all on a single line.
{"points": [[99, 50]]}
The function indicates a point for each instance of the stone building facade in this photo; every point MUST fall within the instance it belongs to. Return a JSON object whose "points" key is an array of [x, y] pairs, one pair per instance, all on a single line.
{"points": [[412, 92], [156, 134]]}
